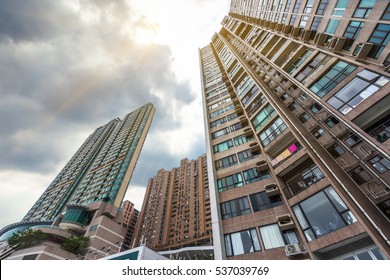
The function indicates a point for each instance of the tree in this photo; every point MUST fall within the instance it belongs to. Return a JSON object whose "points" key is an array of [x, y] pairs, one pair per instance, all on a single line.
{"points": [[75, 244], [27, 238]]}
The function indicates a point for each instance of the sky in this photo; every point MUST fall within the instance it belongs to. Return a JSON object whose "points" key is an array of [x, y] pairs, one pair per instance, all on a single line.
{"points": [[70, 66]]}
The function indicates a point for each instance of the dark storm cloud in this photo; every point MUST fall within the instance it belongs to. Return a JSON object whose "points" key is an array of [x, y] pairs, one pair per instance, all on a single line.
{"points": [[60, 75]]}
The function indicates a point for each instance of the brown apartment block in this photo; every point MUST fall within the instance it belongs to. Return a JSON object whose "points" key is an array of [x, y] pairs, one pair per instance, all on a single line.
{"points": [[297, 118], [130, 217], [176, 208]]}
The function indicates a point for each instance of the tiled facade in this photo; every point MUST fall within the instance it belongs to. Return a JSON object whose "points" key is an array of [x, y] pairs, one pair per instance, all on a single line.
{"points": [[297, 108], [176, 209]]}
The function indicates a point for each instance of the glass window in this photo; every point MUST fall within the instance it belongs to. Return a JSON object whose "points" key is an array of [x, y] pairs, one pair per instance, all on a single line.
{"points": [[247, 155], [230, 182], [380, 163], [304, 117], [332, 26], [333, 77], [316, 63], [242, 242], [352, 33], [239, 140], [303, 21], [364, 8], [272, 237], [297, 5], [218, 148], [275, 129], [323, 213], [309, 6], [253, 175], [386, 14], [226, 162], [336, 150], [262, 201], [318, 132], [380, 38], [356, 91], [235, 208], [218, 122], [263, 117], [315, 23], [340, 7], [322, 6]]}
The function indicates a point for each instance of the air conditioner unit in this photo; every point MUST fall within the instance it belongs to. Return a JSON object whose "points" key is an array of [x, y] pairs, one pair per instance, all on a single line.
{"points": [[287, 29], [285, 222], [272, 189], [320, 39], [296, 31], [307, 34], [293, 249], [279, 27], [271, 25], [337, 43], [362, 50]]}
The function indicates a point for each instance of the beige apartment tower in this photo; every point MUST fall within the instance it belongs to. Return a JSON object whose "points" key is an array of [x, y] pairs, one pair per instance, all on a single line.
{"points": [[176, 208], [296, 101]]}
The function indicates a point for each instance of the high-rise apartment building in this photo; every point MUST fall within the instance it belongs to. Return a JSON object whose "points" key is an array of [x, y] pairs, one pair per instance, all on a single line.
{"points": [[100, 170], [297, 119], [130, 218], [176, 208]]}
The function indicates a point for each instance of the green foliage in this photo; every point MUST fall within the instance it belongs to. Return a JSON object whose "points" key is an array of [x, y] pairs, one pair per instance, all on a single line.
{"points": [[75, 245], [27, 238]]}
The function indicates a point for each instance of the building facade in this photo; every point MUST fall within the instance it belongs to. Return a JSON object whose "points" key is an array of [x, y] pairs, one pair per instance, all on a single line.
{"points": [[130, 218], [176, 208], [100, 170], [296, 101]]}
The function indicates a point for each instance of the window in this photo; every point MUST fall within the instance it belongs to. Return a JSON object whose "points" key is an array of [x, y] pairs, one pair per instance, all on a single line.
{"points": [[247, 155], [297, 5], [315, 108], [318, 132], [364, 8], [235, 208], [218, 122], [226, 162], [262, 201], [386, 14], [315, 23], [322, 6], [263, 117], [273, 238], [352, 140], [239, 140], [284, 96], [316, 63], [230, 182], [30, 257], [332, 78], [253, 175], [323, 213], [332, 26], [304, 117], [309, 6], [370, 253], [303, 21], [223, 146], [331, 122], [242, 242], [235, 127], [352, 32], [298, 62], [360, 176], [220, 133], [336, 150], [293, 106], [275, 129], [340, 8], [380, 163], [380, 38], [356, 91]]}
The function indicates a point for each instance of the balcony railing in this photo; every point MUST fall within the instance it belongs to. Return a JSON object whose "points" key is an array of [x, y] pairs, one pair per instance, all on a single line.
{"points": [[305, 179], [382, 132]]}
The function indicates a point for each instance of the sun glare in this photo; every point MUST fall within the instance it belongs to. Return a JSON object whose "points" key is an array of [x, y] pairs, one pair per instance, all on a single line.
{"points": [[144, 36]]}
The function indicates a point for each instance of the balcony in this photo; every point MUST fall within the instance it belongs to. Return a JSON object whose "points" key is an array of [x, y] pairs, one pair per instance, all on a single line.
{"points": [[381, 132]]}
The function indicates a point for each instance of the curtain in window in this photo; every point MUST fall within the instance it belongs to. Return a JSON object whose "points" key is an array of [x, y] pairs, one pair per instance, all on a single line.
{"points": [[271, 236]]}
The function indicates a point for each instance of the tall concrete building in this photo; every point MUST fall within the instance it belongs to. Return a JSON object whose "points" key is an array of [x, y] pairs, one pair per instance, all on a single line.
{"points": [[100, 170], [176, 208], [296, 101]]}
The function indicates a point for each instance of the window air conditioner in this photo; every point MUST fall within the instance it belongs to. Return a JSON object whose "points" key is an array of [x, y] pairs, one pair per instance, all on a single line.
{"points": [[296, 31], [279, 27], [272, 189], [337, 43], [285, 222], [362, 50], [287, 29], [320, 39], [293, 249], [306, 35]]}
